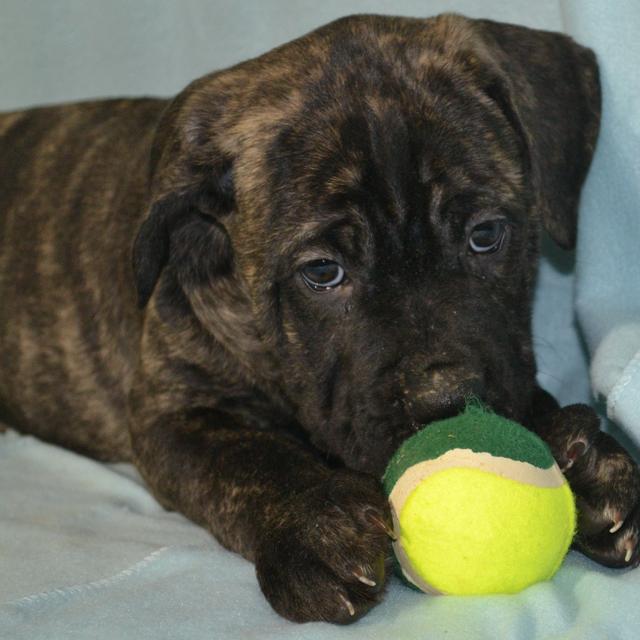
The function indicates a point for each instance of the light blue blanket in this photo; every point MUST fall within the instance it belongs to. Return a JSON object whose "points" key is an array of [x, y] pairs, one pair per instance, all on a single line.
{"points": [[85, 552]]}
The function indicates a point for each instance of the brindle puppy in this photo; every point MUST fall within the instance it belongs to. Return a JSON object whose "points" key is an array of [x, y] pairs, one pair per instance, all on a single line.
{"points": [[256, 290]]}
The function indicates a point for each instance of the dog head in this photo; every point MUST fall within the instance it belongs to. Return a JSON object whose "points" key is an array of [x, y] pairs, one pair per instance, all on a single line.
{"points": [[364, 205]]}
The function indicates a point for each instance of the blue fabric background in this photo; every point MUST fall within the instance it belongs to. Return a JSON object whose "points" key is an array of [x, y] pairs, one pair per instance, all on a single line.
{"points": [[85, 552]]}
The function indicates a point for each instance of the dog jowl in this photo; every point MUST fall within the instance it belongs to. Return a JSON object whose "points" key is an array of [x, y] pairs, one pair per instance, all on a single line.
{"points": [[257, 290]]}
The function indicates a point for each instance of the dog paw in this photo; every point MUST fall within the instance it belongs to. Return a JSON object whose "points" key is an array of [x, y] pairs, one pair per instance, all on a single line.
{"points": [[327, 556], [606, 483]]}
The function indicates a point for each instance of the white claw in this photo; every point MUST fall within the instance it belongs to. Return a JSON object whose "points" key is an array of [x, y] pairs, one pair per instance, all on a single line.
{"points": [[347, 603], [616, 526], [364, 579], [628, 555]]}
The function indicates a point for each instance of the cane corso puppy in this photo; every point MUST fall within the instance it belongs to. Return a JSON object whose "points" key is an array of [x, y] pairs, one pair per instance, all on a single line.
{"points": [[256, 290]]}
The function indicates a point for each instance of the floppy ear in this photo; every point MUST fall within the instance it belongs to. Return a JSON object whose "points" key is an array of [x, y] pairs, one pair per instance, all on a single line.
{"points": [[551, 93], [191, 189]]}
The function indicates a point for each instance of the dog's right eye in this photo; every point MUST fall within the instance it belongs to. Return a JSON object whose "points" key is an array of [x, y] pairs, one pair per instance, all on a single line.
{"points": [[322, 274], [487, 237]]}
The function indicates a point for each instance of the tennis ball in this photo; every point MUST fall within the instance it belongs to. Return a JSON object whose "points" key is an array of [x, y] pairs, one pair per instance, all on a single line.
{"points": [[479, 506]]}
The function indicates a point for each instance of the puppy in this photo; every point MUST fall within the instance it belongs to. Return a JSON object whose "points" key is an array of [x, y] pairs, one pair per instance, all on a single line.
{"points": [[257, 290]]}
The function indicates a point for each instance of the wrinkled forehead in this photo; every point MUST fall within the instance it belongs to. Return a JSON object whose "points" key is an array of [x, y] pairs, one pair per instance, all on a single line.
{"points": [[385, 155], [374, 134]]}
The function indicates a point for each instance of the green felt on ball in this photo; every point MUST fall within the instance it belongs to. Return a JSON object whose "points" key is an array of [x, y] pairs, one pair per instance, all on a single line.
{"points": [[479, 506]]}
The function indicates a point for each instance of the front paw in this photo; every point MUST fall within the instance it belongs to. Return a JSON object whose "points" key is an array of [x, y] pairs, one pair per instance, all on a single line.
{"points": [[606, 483], [326, 557]]}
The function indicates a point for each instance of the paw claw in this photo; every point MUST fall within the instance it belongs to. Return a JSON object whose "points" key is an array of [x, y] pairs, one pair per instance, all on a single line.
{"points": [[616, 526], [362, 578], [347, 603], [378, 522], [574, 452], [629, 546]]}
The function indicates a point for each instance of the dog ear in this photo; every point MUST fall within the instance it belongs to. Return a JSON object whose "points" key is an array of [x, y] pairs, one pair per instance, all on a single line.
{"points": [[191, 190], [549, 90]]}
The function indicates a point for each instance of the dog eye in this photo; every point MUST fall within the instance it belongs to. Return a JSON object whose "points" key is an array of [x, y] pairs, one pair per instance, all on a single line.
{"points": [[322, 274], [487, 237]]}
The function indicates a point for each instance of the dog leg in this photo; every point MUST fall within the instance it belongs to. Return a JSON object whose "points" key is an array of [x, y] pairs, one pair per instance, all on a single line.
{"points": [[603, 476], [319, 537]]}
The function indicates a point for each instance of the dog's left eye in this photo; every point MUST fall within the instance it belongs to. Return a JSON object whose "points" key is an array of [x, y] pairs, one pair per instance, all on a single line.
{"points": [[487, 237], [322, 274]]}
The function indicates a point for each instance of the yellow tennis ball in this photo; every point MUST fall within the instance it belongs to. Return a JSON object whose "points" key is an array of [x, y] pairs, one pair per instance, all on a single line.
{"points": [[479, 506]]}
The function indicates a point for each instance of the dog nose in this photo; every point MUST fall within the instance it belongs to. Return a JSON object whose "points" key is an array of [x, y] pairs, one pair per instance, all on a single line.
{"points": [[440, 392]]}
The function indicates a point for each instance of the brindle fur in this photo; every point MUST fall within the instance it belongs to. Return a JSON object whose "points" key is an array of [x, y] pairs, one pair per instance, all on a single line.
{"points": [[153, 309]]}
